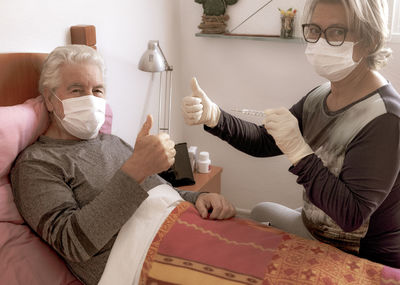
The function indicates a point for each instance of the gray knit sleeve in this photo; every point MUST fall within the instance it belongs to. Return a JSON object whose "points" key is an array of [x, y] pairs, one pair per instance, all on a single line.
{"points": [[155, 180]]}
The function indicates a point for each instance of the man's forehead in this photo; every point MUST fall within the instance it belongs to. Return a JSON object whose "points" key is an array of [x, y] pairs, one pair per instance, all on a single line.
{"points": [[81, 74]]}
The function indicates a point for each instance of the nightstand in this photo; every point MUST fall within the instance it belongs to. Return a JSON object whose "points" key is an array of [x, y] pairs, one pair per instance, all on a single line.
{"points": [[206, 182]]}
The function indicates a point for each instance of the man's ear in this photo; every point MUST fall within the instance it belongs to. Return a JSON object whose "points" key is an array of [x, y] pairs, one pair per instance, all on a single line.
{"points": [[46, 95]]}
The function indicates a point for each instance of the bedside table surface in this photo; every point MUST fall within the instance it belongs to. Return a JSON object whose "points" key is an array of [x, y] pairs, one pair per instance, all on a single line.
{"points": [[203, 179]]}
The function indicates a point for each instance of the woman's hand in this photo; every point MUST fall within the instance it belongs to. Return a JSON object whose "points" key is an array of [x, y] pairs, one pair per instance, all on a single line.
{"points": [[198, 108], [284, 128]]}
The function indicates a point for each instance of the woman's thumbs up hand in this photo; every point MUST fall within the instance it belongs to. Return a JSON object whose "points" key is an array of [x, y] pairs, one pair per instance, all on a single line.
{"points": [[198, 108]]}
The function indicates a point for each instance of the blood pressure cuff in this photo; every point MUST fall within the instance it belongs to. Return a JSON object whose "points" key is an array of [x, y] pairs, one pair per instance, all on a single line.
{"points": [[180, 173]]}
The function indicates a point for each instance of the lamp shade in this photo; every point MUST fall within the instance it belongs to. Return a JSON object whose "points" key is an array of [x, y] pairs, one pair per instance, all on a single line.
{"points": [[153, 60]]}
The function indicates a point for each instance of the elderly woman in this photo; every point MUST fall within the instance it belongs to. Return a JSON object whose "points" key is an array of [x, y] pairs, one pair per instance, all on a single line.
{"points": [[342, 137]]}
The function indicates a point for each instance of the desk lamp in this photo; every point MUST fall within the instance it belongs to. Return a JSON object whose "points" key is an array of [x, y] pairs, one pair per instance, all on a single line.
{"points": [[153, 60]]}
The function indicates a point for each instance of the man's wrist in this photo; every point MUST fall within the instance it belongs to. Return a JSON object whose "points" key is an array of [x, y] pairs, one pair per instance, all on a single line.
{"points": [[134, 172], [199, 194]]}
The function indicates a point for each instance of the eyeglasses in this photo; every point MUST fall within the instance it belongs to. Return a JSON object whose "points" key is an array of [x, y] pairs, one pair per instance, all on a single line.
{"points": [[334, 36]]}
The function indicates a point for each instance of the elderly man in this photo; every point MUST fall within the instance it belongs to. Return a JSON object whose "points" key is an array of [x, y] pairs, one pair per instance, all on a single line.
{"points": [[75, 187]]}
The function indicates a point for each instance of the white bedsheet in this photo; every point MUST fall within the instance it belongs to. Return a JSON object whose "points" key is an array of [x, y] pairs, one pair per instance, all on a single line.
{"points": [[130, 248]]}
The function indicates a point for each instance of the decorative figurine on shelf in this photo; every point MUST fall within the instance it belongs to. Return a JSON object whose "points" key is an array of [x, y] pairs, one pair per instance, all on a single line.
{"points": [[287, 22], [214, 17]]}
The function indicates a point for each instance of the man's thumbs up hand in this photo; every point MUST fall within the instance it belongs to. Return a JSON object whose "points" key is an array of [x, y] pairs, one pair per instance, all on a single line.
{"points": [[152, 153], [198, 108], [145, 131]]}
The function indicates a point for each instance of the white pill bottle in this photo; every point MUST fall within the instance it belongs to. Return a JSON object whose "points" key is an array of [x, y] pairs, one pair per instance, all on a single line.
{"points": [[193, 157], [204, 162]]}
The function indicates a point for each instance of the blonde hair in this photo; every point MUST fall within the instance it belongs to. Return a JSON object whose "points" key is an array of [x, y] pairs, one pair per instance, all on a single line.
{"points": [[50, 77], [369, 22]]}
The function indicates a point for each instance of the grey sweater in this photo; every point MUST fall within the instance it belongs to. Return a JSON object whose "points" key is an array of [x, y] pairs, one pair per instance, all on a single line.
{"points": [[74, 195]]}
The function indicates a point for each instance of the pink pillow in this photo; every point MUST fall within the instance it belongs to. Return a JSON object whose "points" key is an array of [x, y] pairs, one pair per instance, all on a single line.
{"points": [[20, 125], [107, 126], [25, 259], [8, 209]]}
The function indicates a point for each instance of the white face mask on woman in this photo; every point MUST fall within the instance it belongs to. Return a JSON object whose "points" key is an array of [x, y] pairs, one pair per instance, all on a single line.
{"points": [[83, 116], [332, 62]]}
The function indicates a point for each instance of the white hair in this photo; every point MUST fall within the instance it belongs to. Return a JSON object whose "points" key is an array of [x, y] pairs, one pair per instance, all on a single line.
{"points": [[50, 77], [368, 20]]}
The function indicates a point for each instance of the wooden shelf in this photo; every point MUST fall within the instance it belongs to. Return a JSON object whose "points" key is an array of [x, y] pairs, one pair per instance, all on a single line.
{"points": [[255, 37]]}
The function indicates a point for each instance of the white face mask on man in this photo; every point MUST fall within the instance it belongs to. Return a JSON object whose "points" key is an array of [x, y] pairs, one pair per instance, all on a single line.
{"points": [[332, 62], [83, 116]]}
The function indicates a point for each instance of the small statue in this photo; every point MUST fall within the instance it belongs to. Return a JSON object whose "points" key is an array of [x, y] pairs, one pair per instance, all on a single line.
{"points": [[215, 7], [214, 16]]}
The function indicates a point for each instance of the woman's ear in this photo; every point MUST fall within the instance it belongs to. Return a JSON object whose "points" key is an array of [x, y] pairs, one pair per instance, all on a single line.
{"points": [[361, 51]]}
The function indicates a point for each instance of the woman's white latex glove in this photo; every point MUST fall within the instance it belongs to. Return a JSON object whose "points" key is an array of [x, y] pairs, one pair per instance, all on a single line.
{"points": [[198, 108], [284, 128]]}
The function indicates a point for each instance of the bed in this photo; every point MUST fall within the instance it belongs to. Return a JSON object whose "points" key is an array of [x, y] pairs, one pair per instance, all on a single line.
{"points": [[182, 249]]}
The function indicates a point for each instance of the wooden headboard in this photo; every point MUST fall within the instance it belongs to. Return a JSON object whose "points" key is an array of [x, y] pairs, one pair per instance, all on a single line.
{"points": [[19, 77], [20, 72]]}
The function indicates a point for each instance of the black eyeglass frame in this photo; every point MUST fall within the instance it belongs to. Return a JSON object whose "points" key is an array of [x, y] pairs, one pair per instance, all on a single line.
{"points": [[345, 30]]}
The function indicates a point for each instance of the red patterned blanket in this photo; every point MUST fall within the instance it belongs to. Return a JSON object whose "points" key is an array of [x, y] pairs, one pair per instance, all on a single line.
{"points": [[190, 250]]}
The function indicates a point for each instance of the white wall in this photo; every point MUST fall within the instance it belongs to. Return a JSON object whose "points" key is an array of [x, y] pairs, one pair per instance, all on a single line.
{"points": [[123, 29], [266, 16], [249, 74]]}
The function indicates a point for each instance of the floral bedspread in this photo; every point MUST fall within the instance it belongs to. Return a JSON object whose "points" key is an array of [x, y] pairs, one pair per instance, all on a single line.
{"points": [[190, 250]]}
